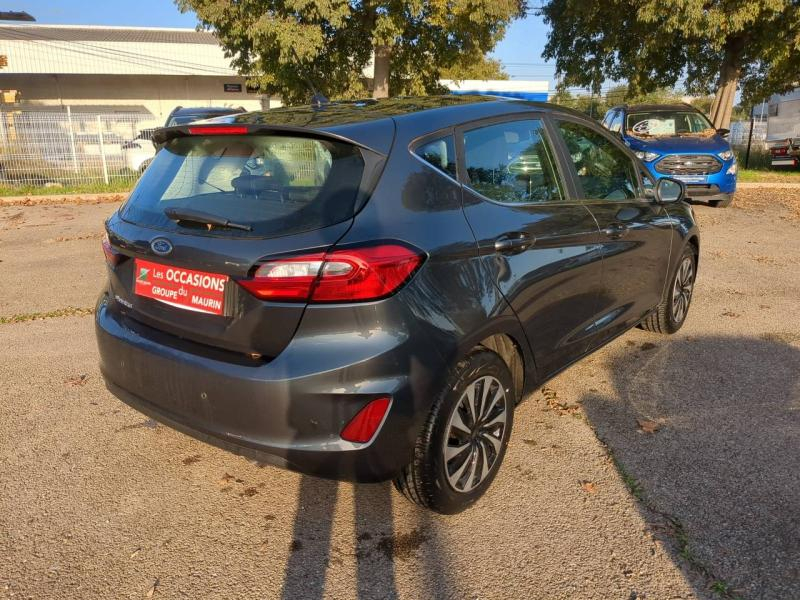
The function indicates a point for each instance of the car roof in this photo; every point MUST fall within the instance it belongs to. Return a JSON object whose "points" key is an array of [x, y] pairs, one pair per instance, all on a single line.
{"points": [[377, 124], [659, 107], [450, 109]]}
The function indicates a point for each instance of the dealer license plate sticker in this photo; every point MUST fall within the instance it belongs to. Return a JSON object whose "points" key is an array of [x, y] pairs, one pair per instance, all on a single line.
{"points": [[690, 178], [184, 288]]}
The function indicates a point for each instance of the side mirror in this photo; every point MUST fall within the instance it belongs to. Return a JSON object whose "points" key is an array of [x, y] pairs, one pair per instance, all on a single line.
{"points": [[669, 190], [723, 132]]}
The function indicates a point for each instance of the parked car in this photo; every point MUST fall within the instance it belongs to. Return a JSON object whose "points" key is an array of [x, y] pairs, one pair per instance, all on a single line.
{"points": [[678, 141], [367, 290], [182, 115], [785, 155], [138, 152]]}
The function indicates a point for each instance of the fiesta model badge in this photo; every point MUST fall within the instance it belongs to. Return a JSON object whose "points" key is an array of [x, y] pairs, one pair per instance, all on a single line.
{"points": [[161, 246]]}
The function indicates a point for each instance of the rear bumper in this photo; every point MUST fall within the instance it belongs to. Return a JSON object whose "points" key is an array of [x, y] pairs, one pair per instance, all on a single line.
{"points": [[287, 412], [785, 162]]}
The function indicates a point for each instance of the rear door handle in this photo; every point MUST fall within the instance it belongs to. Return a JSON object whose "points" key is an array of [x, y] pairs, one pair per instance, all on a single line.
{"points": [[616, 230], [513, 243]]}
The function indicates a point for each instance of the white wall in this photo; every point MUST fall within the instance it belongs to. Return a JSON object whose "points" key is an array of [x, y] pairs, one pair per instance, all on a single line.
{"points": [[113, 57], [158, 94]]}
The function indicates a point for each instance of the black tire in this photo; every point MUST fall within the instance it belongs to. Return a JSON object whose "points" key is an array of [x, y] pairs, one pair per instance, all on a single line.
{"points": [[667, 318], [723, 203], [426, 480]]}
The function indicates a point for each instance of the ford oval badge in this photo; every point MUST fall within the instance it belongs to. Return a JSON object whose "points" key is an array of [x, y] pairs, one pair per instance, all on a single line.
{"points": [[161, 246]]}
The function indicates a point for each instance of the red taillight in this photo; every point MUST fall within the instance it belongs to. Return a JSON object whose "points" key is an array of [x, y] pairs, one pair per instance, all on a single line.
{"points": [[363, 426], [218, 130], [346, 275], [112, 256], [779, 151]]}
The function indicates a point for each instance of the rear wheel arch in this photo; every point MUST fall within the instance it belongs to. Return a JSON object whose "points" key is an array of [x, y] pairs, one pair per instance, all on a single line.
{"points": [[510, 351]]}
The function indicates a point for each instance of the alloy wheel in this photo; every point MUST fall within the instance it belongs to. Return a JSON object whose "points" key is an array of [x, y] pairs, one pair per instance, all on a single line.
{"points": [[682, 289], [475, 433]]}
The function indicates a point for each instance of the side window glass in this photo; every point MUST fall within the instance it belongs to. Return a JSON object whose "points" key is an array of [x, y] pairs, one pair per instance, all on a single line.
{"points": [[441, 153], [616, 122], [604, 171], [512, 162]]}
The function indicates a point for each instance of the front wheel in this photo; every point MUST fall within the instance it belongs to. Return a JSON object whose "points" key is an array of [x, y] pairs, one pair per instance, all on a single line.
{"points": [[722, 203], [461, 447], [670, 315]]}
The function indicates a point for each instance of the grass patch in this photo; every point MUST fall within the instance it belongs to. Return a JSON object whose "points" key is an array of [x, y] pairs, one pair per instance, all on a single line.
{"points": [[633, 485], [764, 176], [69, 311], [113, 187], [724, 589]]}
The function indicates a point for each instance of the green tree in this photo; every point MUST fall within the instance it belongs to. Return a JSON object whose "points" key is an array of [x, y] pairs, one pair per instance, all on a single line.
{"points": [[713, 45], [474, 66], [281, 45]]}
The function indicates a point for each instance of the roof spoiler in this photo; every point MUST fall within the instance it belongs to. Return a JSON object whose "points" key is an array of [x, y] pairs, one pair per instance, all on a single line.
{"points": [[165, 134]]}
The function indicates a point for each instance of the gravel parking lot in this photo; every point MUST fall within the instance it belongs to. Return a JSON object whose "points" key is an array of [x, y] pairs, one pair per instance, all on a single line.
{"points": [[657, 468]]}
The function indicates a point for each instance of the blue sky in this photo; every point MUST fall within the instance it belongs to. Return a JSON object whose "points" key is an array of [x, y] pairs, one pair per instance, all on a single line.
{"points": [[520, 51]]}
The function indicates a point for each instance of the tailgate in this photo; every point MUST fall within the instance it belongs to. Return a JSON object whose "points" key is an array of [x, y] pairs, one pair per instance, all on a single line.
{"points": [[210, 209]]}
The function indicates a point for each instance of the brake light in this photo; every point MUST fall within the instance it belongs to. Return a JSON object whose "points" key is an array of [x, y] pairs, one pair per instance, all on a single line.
{"points": [[218, 130], [363, 426], [112, 256], [344, 275]]}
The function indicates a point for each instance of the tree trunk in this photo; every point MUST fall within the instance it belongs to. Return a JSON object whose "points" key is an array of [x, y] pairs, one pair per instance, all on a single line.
{"points": [[383, 58], [722, 107]]}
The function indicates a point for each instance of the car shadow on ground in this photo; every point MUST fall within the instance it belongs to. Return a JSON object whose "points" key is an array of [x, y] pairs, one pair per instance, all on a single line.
{"points": [[378, 546], [723, 464]]}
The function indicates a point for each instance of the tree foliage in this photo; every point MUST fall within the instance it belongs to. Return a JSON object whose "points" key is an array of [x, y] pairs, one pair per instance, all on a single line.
{"points": [[651, 44], [280, 45], [474, 66]]}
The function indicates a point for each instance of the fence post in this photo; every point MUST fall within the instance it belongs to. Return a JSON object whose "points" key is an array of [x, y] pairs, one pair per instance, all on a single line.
{"points": [[750, 137], [72, 141], [102, 148]]}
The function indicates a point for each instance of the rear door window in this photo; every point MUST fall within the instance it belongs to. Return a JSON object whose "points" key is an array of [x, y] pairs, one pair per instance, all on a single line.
{"points": [[512, 162], [441, 153], [276, 185]]}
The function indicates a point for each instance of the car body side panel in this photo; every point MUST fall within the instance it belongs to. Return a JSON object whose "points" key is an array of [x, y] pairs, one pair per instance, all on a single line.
{"points": [[635, 265], [417, 204], [553, 285]]}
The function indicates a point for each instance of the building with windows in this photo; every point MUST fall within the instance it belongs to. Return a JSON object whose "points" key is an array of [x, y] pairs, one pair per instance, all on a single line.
{"points": [[118, 69]]}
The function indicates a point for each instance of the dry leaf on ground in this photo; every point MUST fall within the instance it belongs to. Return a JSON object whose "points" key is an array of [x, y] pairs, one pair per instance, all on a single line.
{"points": [[648, 425]]}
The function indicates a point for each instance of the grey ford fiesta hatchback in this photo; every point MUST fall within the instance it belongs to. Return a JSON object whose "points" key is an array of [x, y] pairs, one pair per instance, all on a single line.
{"points": [[365, 291]]}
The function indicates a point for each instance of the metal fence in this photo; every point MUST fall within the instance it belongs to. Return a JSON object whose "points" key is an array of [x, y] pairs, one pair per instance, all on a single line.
{"points": [[64, 148], [740, 132]]}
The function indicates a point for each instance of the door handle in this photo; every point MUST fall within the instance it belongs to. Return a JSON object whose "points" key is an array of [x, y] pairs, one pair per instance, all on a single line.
{"points": [[513, 243], [616, 230]]}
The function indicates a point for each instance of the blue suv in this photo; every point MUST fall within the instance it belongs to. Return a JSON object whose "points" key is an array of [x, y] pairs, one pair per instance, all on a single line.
{"points": [[678, 141]]}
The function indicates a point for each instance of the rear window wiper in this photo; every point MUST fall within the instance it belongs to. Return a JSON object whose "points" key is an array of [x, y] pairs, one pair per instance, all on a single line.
{"points": [[204, 218]]}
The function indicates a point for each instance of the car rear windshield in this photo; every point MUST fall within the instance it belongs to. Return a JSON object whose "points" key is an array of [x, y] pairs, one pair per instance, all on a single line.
{"points": [[271, 185]]}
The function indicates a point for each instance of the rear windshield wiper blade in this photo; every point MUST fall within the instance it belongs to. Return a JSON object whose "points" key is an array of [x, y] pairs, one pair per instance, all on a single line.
{"points": [[204, 218]]}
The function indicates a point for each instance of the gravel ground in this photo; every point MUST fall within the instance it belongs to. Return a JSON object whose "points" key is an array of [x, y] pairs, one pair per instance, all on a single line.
{"points": [[657, 468]]}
